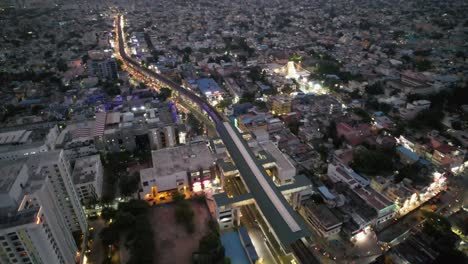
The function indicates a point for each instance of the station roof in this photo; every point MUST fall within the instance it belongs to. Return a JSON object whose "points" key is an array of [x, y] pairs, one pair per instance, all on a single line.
{"points": [[286, 230]]}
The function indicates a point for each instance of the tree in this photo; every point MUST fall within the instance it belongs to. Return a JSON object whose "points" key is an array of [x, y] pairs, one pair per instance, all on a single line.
{"points": [[124, 220], [129, 184], [62, 65], [184, 215], [135, 207], [408, 171], [375, 89], [109, 236], [141, 241], [372, 162], [294, 126], [430, 118], [317, 198], [108, 213], [209, 242], [194, 124], [256, 74], [164, 94], [226, 102], [177, 197], [260, 104], [423, 65], [327, 67], [362, 113], [247, 98]]}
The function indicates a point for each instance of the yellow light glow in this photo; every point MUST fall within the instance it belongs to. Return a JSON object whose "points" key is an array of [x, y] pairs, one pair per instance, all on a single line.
{"points": [[361, 236]]}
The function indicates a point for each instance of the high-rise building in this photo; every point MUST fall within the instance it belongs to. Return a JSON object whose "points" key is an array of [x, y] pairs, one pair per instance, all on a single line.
{"points": [[39, 210]]}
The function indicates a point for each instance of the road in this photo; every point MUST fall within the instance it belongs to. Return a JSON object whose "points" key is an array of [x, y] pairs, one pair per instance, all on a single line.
{"points": [[151, 76]]}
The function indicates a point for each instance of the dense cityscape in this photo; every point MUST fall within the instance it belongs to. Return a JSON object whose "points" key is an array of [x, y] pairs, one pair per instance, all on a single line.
{"points": [[233, 131]]}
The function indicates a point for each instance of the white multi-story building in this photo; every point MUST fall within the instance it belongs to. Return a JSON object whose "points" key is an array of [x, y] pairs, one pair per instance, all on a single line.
{"points": [[285, 170], [341, 173], [88, 177], [39, 211], [57, 169]]}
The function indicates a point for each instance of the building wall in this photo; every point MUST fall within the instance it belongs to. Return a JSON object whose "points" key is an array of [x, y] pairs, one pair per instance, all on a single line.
{"points": [[317, 224], [57, 170]]}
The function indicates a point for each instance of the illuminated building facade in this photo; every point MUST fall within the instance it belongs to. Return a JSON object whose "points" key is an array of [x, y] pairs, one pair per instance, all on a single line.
{"points": [[280, 105]]}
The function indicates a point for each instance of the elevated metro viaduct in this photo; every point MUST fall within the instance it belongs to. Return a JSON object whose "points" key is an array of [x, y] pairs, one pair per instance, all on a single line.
{"points": [[283, 221]]}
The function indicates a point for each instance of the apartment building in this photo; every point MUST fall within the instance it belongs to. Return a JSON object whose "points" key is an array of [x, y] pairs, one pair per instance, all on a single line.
{"points": [[39, 211]]}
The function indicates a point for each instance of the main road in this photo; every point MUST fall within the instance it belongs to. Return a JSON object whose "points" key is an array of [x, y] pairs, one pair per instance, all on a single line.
{"points": [[134, 65]]}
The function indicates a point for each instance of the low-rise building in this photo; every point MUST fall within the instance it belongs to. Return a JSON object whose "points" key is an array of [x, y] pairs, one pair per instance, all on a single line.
{"points": [[355, 135], [18, 144], [321, 218], [414, 108], [341, 173]]}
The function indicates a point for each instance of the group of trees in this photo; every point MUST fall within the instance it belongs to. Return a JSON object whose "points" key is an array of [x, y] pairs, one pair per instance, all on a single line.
{"points": [[362, 113], [210, 249], [443, 240], [226, 102], [195, 125], [412, 172], [183, 212], [131, 220], [375, 89], [110, 88], [164, 93], [430, 118], [372, 162], [238, 44], [257, 74], [294, 126], [115, 170]]}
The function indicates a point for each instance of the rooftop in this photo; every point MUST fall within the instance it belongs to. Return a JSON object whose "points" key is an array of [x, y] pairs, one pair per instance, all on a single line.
{"points": [[208, 86], [408, 153], [191, 157], [321, 212], [85, 169], [14, 137], [9, 170], [19, 218]]}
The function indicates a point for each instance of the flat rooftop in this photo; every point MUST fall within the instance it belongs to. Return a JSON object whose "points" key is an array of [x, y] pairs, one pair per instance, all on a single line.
{"points": [[208, 86], [19, 218], [14, 137], [323, 214], [9, 170], [188, 157], [281, 160], [285, 222]]}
